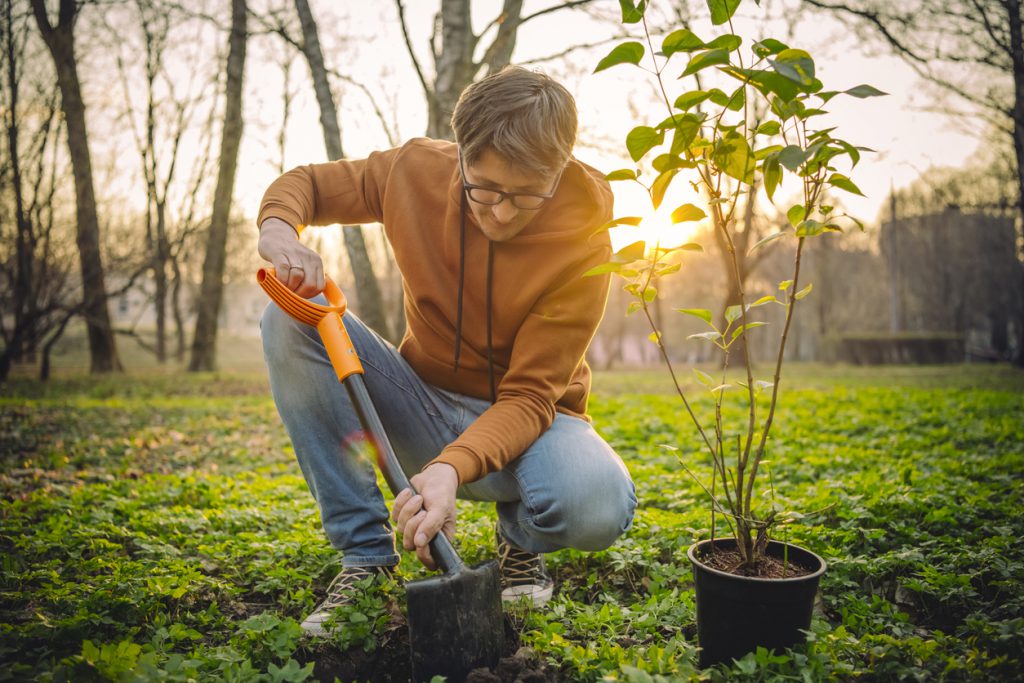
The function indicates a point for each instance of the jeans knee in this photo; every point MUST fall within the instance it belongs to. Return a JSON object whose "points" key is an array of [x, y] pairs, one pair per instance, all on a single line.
{"points": [[278, 332], [589, 523], [604, 525]]}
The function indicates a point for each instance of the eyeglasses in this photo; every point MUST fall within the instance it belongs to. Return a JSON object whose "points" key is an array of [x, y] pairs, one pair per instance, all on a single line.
{"points": [[525, 201]]}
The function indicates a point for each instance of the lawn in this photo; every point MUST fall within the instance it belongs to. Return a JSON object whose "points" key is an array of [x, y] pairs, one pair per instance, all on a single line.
{"points": [[156, 527]]}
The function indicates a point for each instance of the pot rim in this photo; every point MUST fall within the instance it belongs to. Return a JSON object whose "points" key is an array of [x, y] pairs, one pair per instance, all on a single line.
{"points": [[690, 553]]}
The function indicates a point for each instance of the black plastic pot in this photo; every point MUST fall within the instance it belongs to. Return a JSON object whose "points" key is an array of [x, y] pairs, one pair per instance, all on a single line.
{"points": [[738, 614]]}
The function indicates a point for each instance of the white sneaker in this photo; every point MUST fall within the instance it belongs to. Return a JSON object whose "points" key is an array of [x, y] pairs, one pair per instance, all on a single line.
{"points": [[523, 575], [349, 582]]}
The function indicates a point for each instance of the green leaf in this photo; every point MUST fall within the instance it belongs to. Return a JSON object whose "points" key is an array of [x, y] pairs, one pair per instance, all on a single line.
{"points": [[688, 212], [627, 53], [641, 140], [768, 46], [665, 162], [864, 90], [804, 292], [709, 336], [701, 313], [722, 10], [765, 240], [703, 60], [632, 14], [668, 270], [703, 377], [634, 306], [660, 186], [650, 294], [723, 387], [769, 128], [733, 102], [733, 155], [631, 252], [772, 172], [728, 42], [810, 228], [796, 214], [622, 174], [687, 127], [691, 99], [681, 40], [766, 82], [792, 157], [691, 246], [654, 337], [767, 299], [732, 313], [844, 183], [749, 326], [785, 284], [796, 65]]}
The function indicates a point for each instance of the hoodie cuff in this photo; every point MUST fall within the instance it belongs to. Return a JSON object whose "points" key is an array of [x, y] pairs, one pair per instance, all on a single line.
{"points": [[288, 216], [465, 463]]}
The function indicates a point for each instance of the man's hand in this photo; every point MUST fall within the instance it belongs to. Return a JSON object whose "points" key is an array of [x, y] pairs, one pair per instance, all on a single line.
{"points": [[418, 518], [297, 266]]}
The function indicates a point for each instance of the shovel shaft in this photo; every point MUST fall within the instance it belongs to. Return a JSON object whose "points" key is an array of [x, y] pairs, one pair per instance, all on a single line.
{"points": [[441, 548]]}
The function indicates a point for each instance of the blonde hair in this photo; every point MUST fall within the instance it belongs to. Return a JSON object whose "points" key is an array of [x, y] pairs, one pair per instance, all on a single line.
{"points": [[525, 117]]}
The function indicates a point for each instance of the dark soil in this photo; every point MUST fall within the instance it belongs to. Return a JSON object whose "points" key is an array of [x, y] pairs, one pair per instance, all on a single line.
{"points": [[767, 567], [390, 663]]}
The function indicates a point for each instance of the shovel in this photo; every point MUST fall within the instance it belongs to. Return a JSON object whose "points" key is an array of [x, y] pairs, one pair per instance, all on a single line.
{"points": [[455, 619]]}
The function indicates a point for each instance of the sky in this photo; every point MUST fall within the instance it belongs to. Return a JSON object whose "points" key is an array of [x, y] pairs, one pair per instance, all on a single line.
{"points": [[364, 40]]}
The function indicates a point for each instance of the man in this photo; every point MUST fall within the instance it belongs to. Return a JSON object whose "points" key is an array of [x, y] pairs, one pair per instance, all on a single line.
{"points": [[486, 396]]}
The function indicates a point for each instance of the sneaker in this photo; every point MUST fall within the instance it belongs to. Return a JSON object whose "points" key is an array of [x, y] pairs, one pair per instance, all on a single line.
{"points": [[523, 575], [349, 582]]}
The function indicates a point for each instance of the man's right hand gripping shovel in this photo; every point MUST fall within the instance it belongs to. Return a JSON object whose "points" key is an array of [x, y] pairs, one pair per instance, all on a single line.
{"points": [[455, 620]]}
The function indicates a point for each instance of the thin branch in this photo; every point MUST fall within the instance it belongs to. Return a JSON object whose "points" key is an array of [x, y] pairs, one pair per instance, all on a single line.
{"points": [[428, 91]]}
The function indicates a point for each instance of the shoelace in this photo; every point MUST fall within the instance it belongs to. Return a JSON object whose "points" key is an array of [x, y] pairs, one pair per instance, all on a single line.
{"points": [[518, 566], [340, 590]]}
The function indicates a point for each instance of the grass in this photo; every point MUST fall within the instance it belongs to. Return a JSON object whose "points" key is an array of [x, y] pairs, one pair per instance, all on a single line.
{"points": [[156, 527]]}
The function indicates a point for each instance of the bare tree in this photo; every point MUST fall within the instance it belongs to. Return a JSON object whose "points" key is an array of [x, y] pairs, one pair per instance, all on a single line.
{"points": [[204, 343], [371, 305], [973, 49], [34, 306], [454, 46], [60, 40]]}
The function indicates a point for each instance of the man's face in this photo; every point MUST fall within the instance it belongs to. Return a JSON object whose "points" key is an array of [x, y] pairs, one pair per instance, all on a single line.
{"points": [[504, 220]]}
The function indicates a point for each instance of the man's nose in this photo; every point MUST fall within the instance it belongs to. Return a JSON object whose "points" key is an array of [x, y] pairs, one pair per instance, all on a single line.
{"points": [[505, 211]]}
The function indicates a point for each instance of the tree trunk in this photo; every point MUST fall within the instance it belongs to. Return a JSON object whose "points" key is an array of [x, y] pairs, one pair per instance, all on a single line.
{"points": [[1017, 54], [368, 296], [60, 41], [204, 343]]}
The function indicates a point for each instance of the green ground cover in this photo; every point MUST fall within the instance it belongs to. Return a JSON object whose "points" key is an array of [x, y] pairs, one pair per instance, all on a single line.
{"points": [[158, 528]]}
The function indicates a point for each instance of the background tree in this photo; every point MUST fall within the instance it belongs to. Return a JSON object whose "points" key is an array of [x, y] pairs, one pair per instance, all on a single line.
{"points": [[973, 49], [34, 267], [454, 46], [60, 40], [159, 129], [371, 306], [204, 344]]}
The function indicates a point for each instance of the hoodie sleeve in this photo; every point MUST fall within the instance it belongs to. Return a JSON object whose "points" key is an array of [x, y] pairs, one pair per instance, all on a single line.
{"points": [[547, 352], [344, 191]]}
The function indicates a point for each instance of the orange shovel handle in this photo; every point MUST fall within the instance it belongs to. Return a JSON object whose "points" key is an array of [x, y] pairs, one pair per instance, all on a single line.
{"points": [[326, 319]]}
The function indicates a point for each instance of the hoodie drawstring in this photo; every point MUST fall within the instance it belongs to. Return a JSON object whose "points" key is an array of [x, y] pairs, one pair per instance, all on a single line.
{"points": [[462, 278], [462, 286], [490, 342]]}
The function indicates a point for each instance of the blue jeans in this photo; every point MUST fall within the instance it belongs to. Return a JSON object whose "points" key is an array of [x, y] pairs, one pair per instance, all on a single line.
{"points": [[568, 490]]}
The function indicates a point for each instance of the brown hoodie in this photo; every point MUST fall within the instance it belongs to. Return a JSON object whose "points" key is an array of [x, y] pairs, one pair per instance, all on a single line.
{"points": [[544, 313]]}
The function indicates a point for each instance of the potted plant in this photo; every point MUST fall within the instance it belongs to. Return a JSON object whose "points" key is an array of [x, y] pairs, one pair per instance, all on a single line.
{"points": [[751, 591]]}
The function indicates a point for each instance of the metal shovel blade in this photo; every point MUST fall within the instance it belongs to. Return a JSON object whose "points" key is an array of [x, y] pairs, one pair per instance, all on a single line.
{"points": [[455, 622]]}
